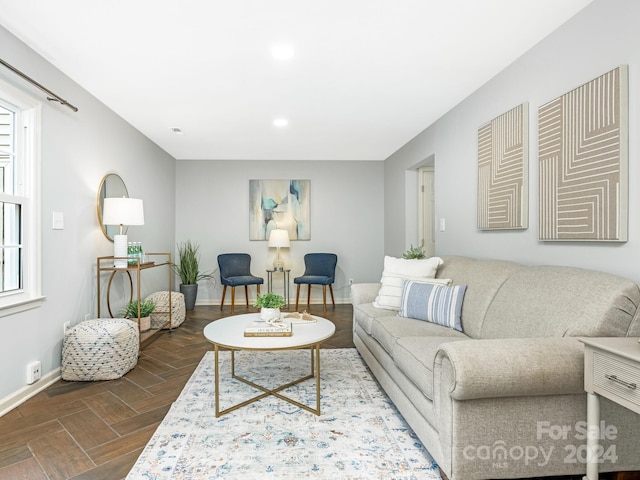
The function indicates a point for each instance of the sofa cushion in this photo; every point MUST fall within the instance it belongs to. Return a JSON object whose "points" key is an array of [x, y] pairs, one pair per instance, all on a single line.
{"points": [[439, 304], [483, 279], [557, 301], [415, 357], [398, 269], [363, 315], [387, 330]]}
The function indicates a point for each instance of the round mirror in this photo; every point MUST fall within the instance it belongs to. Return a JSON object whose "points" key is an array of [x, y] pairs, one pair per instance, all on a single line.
{"points": [[110, 186]]}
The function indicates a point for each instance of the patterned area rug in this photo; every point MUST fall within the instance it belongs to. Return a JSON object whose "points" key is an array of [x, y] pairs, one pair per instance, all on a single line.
{"points": [[359, 435]]}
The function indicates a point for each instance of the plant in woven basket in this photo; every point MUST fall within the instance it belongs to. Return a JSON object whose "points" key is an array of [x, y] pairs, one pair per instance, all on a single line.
{"points": [[269, 300], [188, 266], [146, 308], [415, 253]]}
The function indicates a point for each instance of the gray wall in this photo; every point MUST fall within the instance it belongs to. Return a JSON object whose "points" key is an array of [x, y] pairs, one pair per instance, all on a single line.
{"points": [[78, 149], [601, 37], [212, 209]]}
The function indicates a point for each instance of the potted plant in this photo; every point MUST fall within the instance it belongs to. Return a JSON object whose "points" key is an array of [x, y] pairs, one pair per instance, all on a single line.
{"points": [[146, 307], [415, 253], [188, 269], [270, 305]]}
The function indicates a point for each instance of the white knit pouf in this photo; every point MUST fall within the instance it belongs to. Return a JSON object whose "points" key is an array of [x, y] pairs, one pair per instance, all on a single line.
{"points": [[160, 314], [100, 349]]}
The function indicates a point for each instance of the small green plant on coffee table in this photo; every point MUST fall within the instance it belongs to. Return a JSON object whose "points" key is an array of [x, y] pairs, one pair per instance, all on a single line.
{"points": [[146, 308], [414, 253], [269, 300]]}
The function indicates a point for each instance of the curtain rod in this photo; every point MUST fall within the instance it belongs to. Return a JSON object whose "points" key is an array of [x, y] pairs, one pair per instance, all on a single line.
{"points": [[52, 96]]}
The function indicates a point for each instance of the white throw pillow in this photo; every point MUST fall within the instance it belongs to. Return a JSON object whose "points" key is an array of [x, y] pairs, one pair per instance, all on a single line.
{"points": [[398, 269]]}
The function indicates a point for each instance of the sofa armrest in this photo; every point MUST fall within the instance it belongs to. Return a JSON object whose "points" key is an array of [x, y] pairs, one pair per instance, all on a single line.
{"points": [[364, 293], [490, 368]]}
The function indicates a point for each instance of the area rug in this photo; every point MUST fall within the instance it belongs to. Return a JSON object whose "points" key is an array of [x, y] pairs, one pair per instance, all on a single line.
{"points": [[359, 434]]}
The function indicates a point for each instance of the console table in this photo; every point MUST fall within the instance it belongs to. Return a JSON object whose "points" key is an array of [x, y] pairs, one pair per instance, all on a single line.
{"points": [[106, 264], [611, 370]]}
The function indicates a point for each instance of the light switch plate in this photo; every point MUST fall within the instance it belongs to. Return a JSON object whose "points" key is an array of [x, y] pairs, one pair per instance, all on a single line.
{"points": [[58, 221]]}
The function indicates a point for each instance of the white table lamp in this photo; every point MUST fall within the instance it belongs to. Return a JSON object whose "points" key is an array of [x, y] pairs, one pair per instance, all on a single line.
{"points": [[122, 211], [278, 238]]}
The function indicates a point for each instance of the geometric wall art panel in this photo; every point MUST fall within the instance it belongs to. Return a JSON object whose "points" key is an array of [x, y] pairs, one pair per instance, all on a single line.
{"points": [[583, 162], [279, 204], [503, 171]]}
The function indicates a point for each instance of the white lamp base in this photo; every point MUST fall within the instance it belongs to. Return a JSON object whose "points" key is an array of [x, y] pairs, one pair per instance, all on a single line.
{"points": [[120, 250]]}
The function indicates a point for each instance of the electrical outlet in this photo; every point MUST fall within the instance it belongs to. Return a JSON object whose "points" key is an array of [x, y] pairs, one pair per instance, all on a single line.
{"points": [[65, 327], [33, 372], [351, 281], [87, 316]]}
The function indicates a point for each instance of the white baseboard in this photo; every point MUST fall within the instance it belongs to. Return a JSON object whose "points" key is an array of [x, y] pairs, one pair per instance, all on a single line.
{"points": [[15, 399]]}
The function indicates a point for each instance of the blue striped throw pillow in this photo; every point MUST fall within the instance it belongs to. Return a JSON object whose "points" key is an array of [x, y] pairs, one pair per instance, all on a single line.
{"points": [[433, 303]]}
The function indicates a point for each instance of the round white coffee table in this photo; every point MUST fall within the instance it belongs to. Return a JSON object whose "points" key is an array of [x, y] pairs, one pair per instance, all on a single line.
{"points": [[228, 333]]}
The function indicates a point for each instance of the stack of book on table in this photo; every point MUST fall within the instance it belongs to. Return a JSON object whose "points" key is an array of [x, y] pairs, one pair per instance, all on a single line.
{"points": [[266, 330]]}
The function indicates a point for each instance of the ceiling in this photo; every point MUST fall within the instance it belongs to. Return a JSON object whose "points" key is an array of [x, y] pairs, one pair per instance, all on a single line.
{"points": [[365, 78]]}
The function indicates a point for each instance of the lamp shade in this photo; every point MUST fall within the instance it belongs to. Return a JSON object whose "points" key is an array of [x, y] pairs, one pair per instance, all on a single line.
{"points": [[279, 238], [123, 211]]}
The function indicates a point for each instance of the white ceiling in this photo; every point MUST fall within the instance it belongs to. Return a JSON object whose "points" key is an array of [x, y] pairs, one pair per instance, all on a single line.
{"points": [[366, 77]]}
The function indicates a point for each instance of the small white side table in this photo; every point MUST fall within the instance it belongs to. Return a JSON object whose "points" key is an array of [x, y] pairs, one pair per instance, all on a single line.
{"points": [[611, 370]]}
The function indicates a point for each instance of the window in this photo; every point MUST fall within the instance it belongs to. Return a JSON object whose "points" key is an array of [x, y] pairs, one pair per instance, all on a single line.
{"points": [[20, 283]]}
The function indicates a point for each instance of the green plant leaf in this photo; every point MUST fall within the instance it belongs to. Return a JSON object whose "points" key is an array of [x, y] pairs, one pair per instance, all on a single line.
{"points": [[414, 253], [131, 310], [269, 300], [188, 268]]}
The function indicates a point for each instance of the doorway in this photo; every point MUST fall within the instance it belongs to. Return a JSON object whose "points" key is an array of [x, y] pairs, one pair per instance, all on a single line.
{"points": [[426, 210]]}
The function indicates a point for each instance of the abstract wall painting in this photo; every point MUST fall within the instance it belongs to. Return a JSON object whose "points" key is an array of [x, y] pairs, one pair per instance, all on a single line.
{"points": [[503, 167], [583, 162], [279, 204]]}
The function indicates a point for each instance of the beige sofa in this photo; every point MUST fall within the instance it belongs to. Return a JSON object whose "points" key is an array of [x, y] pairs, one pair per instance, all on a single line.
{"points": [[504, 398]]}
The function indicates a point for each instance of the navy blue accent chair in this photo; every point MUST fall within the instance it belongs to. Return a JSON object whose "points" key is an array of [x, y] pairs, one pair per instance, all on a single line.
{"points": [[235, 271], [319, 269]]}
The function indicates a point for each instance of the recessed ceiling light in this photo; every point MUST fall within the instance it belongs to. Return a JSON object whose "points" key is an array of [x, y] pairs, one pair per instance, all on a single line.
{"points": [[281, 122], [176, 130], [282, 51]]}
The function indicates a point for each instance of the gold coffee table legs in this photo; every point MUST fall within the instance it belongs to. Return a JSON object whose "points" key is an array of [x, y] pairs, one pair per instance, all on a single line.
{"points": [[315, 372]]}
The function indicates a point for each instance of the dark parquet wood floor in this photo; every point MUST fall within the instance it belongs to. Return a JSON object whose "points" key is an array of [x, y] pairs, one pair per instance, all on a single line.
{"points": [[97, 430]]}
